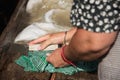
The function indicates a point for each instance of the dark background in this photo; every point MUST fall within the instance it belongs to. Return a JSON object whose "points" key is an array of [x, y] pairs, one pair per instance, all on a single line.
{"points": [[7, 7]]}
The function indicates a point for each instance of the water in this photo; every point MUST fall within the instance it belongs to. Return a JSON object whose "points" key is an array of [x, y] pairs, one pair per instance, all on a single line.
{"points": [[56, 11]]}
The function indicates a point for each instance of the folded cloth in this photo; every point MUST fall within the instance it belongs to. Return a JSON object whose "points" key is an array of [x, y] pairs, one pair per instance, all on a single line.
{"points": [[35, 61]]}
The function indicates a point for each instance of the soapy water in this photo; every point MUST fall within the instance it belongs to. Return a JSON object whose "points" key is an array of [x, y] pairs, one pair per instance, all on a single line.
{"points": [[64, 4], [56, 10], [46, 16]]}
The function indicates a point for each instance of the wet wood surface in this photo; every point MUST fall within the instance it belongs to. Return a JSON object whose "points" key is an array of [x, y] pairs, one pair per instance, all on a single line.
{"points": [[11, 71]]}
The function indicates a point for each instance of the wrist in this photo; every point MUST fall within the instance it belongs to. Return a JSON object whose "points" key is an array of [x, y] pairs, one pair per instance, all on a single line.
{"points": [[65, 38], [70, 33], [64, 57]]}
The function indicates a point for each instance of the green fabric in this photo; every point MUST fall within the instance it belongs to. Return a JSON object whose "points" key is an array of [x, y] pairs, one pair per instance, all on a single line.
{"points": [[35, 61]]}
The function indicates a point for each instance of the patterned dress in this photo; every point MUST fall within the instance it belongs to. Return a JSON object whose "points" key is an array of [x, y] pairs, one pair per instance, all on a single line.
{"points": [[96, 15]]}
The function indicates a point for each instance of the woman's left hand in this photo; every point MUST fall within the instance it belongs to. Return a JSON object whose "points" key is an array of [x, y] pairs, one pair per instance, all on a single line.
{"points": [[55, 58]]}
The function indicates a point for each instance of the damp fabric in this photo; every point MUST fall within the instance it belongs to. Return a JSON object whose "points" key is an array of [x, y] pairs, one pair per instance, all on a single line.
{"points": [[35, 61]]}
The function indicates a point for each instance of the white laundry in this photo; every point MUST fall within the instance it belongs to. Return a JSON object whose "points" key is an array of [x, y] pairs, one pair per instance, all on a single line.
{"points": [[37, 30]]}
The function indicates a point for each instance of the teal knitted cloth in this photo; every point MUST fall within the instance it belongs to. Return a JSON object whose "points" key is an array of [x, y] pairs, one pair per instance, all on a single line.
{"points": [[35, 61]]}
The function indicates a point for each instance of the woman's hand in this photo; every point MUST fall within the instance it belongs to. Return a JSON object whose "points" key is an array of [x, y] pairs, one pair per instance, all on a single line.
{"points": [[54, 38], [55, 58], [45, 41]]}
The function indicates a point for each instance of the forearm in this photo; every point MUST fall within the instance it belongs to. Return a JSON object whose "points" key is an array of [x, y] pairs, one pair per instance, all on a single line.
{"points": [[88, 46], [88, 55]]}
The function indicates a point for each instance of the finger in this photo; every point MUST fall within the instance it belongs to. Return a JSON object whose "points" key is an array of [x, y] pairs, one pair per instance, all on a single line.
{"points": [[50, 60], [43, 38], [44, 44]]}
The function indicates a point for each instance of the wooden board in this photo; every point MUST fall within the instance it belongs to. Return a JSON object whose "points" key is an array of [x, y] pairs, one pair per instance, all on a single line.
{"points": [[9, 70]]}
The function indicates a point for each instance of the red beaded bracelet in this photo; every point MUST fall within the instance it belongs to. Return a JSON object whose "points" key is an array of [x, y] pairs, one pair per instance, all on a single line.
{"points": [[66, 60]]}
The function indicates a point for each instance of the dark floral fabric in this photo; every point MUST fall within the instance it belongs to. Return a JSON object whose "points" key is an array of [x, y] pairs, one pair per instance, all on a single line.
{"points": [[96, 15]]}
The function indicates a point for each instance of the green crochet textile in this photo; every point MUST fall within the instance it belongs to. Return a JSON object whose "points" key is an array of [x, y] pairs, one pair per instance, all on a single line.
{"points": [[35, 61]]}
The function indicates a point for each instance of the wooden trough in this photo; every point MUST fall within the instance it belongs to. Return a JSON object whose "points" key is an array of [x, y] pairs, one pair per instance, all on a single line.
{"points": [[9, 70]]}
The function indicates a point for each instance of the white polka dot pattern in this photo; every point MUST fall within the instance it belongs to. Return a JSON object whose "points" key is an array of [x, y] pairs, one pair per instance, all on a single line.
{"points": [[96, 15]]}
